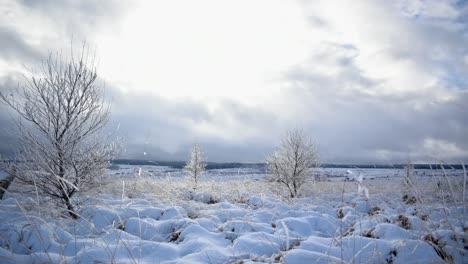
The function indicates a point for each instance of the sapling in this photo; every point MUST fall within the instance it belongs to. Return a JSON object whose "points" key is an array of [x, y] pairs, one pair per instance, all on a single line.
{"points": [[196, 166]]}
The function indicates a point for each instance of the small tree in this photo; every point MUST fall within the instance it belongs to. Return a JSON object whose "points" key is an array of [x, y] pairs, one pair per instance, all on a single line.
{"points": [[61, 110], [291, 161], [408, 175], [195, 167]]}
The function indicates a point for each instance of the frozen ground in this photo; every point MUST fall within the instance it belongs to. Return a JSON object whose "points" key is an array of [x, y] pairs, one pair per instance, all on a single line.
{"points": [[237, 216]]}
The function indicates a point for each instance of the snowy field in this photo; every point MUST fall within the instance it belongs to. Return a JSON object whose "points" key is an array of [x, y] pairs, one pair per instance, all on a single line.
{"points": [[150, 214]]}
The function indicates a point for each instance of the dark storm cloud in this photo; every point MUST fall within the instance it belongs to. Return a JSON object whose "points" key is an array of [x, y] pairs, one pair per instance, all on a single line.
{"points": [[13, 47], [8, 131], [68, 21], [153, 127]]}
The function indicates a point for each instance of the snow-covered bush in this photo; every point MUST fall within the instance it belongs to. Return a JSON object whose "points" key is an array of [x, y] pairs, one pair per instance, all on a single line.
{"points": [[289, 165]]}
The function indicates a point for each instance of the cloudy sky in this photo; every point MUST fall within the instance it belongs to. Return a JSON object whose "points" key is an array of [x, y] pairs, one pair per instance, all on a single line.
{"points": [[369, 81]]}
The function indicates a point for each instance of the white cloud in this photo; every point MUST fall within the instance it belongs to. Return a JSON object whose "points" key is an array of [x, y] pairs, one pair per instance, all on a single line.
{"points": [[204, 49], [438, 149]]}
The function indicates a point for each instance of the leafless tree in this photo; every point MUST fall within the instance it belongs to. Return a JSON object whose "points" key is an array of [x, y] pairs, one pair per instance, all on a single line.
{"points": [[195, 167], [61, 109], [408, 174], [290, 162]]}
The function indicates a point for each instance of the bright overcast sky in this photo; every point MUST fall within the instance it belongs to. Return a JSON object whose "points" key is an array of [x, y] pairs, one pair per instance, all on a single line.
{"points": [[369, 81]]}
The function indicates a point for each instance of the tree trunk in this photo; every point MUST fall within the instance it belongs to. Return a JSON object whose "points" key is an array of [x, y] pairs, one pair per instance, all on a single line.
{"points": [[70, 208], [292, 193], [295, 188], [5, 183]]}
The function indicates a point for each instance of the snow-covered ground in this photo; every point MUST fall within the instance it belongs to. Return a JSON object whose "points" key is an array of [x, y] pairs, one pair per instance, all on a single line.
{"points": [[150, 214]]}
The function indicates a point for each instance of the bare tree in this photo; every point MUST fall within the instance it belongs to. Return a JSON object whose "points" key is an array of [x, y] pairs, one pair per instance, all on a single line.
{"points": [[61, 110], [408, 174], [290, 162], [195, 167]]}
